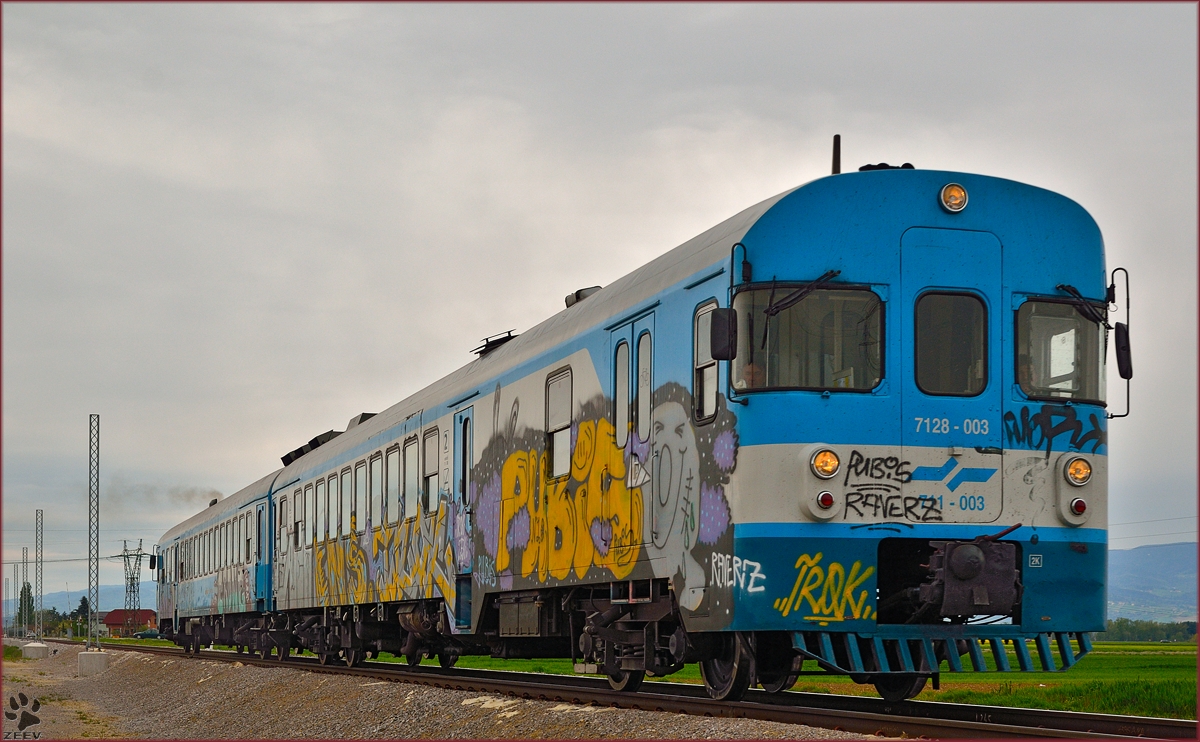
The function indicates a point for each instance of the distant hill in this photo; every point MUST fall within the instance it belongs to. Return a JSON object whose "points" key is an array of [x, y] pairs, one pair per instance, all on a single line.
{"points": [[1153, 583]]}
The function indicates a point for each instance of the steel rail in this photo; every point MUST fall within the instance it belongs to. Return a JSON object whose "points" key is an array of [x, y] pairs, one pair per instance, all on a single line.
{"points": [[827, 711]]}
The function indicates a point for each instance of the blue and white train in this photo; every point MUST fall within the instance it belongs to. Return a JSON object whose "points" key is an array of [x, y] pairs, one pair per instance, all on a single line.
{"points": [[859, 428]]}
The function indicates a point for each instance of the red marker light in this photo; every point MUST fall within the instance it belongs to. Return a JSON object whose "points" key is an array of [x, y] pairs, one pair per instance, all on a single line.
{"points": [[825, 500], [1078, 506]]}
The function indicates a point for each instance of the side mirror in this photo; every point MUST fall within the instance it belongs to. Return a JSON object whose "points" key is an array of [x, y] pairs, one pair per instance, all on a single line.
{"points": [[153, 561], [1124, 359], [723, 335]]}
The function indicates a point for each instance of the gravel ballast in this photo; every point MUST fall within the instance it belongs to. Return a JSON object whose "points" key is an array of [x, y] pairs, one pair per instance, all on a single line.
{"points": [[150, 696]]}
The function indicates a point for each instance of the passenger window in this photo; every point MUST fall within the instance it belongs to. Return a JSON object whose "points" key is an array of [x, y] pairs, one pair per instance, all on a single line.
{"points": [[645, 357], [347, 502], [360, 497], [951, 344], [335, 507], [320, 525], [433, 464], [281, 538], [377, 490], [704, 390], [393, 485], [621, 394], [411, 479], [558, 422], [300, 515]]}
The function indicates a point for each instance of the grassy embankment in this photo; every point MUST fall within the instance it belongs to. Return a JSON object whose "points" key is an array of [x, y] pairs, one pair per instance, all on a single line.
{"points": [[1132, 678]]}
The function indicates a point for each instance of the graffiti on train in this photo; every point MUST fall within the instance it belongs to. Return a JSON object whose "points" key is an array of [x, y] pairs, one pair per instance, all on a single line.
{"points": [[231, 594], [398, 561], [655, 499], [1041, 429], [826, 593]]}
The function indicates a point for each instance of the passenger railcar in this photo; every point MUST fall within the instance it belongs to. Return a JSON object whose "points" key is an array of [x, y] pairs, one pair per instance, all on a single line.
{"points": [[859, 427]]}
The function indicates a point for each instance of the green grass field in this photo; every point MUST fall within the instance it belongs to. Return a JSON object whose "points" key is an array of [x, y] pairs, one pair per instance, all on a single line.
{"points": [[1132, 678]]}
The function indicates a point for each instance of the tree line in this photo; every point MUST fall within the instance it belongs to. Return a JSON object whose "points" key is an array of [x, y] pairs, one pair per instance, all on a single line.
{"points": [[53, 622], [1129, 630]]}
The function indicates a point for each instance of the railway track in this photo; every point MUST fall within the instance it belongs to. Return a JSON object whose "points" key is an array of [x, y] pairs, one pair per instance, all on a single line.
{"points": [[847, 713]]}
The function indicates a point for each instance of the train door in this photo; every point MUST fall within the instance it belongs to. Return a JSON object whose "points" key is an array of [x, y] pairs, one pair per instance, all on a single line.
{"points": [[950, 321], [643, 472], [463, 521], [633, 371], [262, 557]]}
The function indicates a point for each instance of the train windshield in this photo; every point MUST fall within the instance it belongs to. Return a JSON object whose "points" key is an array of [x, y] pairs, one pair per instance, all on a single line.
{"points": [[832, 339], [1060, 353]]}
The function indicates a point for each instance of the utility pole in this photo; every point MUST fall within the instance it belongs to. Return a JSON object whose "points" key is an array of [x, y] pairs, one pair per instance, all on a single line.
{"points": [[133, 583], [24, 583], [93, 640], [6, 589], [37, 573]]}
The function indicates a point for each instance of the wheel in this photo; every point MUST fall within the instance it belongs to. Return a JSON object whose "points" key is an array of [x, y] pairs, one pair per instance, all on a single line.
{"points": [[353, 657], [414, 658], [899, 686], [626, 681], [445, 659], [778, 683], [240, 649], [282, 653], [729, 676], [326, 657]]}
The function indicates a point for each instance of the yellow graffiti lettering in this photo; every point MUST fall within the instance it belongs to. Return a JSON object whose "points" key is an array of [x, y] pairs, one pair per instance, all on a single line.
{"points": [[828, 590]]}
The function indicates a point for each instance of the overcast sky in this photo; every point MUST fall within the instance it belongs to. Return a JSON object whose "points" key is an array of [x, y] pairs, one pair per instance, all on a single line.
{"points": [[227, 228]]}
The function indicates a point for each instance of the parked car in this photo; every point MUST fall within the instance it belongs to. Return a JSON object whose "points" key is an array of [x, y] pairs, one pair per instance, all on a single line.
{"points": [[147, 634]]}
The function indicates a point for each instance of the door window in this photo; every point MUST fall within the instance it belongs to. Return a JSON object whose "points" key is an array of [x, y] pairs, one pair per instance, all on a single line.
{"points": [[411, 479], [645, 358], [464, 457], [951, 344], [621, 394]]}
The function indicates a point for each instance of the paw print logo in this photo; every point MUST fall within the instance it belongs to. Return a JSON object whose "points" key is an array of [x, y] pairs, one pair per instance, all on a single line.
{"points": [[28, 715]]}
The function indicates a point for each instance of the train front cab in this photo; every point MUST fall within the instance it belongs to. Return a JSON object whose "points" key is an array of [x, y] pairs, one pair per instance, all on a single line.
{"points": [[922, 478]]}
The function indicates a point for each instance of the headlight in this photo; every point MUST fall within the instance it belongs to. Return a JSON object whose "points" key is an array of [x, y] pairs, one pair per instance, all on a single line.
{"points": [[825, 463], [1078, 472], [954, 198]]}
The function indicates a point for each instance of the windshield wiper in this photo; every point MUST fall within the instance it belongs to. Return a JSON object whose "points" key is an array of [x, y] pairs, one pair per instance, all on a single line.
{"points": [[1085, 307], [792, 299], [798, 295]]}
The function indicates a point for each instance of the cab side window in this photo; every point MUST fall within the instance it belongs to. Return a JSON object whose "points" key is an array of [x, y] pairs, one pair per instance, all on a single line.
{"points": [[704, 382]]}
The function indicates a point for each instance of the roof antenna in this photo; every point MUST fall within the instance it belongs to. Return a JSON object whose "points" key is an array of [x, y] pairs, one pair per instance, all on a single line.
{"points": [[837, 153]]}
